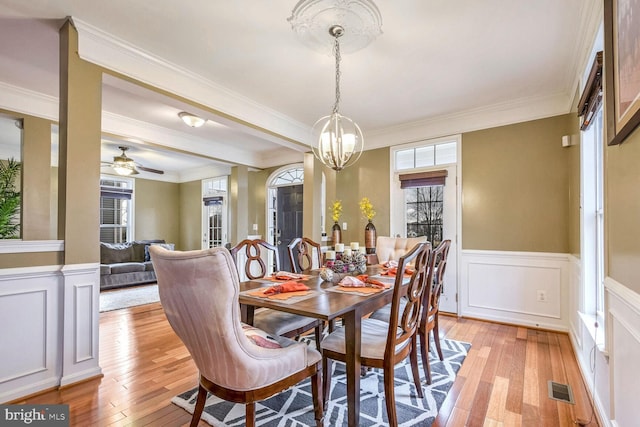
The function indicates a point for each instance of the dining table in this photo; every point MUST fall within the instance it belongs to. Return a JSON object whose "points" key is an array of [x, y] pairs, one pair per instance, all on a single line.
{"points": [[326, 302]]}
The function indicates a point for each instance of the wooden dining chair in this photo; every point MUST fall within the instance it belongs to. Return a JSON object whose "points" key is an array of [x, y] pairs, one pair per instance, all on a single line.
{"points": [[272, 321], [304, 254], [199, 294], [385, 344], [431, 311]]}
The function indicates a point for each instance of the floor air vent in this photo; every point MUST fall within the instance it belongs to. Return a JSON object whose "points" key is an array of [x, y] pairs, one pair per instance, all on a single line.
{"points": [[561, 392]]}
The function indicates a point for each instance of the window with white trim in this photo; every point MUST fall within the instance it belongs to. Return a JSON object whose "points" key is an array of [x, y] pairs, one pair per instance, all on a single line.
{"points": [[116, 210]]}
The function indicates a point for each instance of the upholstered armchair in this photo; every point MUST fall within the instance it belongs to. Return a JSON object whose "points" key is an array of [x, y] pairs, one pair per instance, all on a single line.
{"points": [[392, 248], [199, 293]]}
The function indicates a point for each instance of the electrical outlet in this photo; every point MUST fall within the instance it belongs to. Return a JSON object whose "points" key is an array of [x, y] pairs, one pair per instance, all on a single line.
{"points": [[255, 227], [542, 295], [344, 225]]}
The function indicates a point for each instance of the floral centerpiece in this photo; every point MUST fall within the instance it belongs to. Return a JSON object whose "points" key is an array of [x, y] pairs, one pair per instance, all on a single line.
{"points": [[354, 263], [336, 210], [367, 209]]}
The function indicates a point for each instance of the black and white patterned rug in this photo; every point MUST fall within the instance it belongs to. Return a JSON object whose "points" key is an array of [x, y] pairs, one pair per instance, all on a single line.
{"points": [[294, 407]]}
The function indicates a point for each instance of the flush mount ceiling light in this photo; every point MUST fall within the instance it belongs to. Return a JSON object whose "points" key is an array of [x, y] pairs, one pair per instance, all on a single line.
{"points": [[191, 119], [338, 139]]}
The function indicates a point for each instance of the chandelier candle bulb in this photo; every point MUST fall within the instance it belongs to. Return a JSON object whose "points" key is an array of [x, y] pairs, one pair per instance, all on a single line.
{"points": [[355, 246]]}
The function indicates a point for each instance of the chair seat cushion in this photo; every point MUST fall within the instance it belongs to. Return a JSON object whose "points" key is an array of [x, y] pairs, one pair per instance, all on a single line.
{"points": [[278, 322], [260, 337], [384, 312], [374, 339]]}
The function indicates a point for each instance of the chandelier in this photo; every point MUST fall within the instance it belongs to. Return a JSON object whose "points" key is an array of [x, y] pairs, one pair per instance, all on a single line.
{"points": [[338, 139]]}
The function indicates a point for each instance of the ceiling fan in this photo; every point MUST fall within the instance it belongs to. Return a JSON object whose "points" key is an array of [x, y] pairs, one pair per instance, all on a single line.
{"points": [[124, 165]]}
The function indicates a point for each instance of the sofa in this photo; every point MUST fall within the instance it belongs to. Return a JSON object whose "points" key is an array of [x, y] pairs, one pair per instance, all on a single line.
{"points": [[127, 264]]}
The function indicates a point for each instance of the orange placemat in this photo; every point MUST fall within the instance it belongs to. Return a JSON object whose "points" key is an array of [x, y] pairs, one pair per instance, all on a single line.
{"points": [[274, 279], [361, 291], [281, 296]]}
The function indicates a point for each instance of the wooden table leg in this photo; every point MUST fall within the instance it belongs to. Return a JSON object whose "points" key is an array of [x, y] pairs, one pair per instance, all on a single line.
{"points": [[246, 313], [352, 326]]}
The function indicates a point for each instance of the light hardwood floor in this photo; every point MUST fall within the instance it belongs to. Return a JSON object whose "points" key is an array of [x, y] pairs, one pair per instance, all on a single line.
{"points": [[503, 381]]}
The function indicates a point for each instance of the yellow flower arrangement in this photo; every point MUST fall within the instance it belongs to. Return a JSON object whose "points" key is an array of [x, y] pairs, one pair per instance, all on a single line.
{"points": [[336, 210], [367, 208]]}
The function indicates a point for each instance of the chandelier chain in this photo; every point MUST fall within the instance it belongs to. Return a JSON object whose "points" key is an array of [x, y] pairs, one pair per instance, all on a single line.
{"points": [[336, 50]]}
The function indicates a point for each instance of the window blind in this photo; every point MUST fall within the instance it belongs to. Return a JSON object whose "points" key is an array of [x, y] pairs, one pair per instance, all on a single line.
{"points": [[423, 179]]}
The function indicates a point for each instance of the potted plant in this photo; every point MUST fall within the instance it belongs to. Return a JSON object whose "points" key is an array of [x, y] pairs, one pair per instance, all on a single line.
{"points": [[9, 200]]}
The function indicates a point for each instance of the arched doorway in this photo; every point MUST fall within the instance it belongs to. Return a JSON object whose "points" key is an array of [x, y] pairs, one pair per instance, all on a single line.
{"points": [[284, 208]]}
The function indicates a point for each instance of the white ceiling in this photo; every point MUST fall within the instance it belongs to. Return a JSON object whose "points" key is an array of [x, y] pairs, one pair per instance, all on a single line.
{"points": [[439, 67]]}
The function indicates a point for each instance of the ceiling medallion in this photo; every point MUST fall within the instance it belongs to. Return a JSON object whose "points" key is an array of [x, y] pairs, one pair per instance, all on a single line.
{"points": [[311, 20]]}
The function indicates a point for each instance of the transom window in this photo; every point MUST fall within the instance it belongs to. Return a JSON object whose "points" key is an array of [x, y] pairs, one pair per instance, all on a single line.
{"points": [[425, 156], [289, 177]]}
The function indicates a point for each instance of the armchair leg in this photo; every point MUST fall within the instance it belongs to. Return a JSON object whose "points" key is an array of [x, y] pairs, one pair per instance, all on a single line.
{"points": [[250, 414], [197, 411]]}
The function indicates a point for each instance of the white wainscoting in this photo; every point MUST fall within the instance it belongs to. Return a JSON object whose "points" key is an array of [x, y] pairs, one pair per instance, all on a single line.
{"points": [[504, 287], [623, 344], [48, 327], [81, 322], [30, 301]]}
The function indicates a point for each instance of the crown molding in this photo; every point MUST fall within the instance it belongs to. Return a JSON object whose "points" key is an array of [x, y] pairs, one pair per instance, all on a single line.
{"points": [[132, 128], [510, 112], [110, 52], [21, 100]]}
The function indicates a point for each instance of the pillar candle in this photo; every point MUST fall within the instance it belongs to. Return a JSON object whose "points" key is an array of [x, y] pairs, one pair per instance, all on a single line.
{"points": [[330, 255], [355, 246], [347, 251], [339, 247]]}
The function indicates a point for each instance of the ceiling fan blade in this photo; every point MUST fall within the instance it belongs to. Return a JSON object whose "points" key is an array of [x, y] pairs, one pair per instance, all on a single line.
{"points": [[142, 168]]}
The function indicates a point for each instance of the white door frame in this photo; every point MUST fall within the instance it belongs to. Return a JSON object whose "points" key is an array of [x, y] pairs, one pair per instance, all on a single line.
{"points": [[450, 302]]}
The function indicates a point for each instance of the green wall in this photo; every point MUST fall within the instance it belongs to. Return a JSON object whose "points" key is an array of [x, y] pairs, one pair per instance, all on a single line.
{"points": [[157, 211], [515, 182], [622, 211], [190, 215], [369, 177]]}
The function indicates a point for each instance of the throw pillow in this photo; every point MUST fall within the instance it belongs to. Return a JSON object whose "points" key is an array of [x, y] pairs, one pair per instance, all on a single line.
{"points": [[260, 337], [167, 246]]}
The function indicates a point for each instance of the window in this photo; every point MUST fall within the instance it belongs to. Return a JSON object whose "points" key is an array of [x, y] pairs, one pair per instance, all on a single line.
{"points": [[116, 210], [426, 155], [424, 209], [215, 212]]}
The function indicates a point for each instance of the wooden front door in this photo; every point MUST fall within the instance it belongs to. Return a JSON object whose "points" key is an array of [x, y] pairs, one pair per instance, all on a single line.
{"points": [[289, 220]]}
